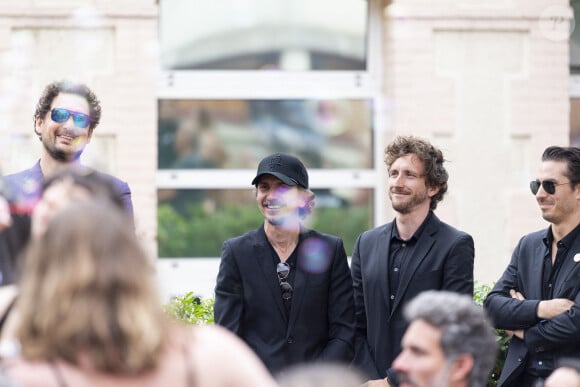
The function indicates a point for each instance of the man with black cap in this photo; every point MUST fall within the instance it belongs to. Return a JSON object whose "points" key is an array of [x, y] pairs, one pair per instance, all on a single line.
{"points": [[284, 289]]}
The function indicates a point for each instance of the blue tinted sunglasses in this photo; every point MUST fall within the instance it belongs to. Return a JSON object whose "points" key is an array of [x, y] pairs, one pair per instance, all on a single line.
{"points": [[62, 115]]}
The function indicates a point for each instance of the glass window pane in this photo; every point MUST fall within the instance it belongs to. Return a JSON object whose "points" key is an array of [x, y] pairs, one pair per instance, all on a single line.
{"points": [[296, 35], [195, 223], [239, 133]]}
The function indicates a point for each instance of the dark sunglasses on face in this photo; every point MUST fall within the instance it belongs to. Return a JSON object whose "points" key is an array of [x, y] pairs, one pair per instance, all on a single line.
{"points": [[61, 115], [548, 186], [283, 271]]}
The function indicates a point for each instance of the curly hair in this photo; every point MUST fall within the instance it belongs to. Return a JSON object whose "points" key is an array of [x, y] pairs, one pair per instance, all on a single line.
{"points": [[52, 90], [432, 158]]}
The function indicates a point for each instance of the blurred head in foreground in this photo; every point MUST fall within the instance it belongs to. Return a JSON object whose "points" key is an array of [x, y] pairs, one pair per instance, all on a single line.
{"points": [[88, 293]]}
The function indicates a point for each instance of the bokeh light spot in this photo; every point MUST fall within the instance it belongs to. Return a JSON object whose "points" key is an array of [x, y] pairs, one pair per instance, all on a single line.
{"points": [[314, 255]]}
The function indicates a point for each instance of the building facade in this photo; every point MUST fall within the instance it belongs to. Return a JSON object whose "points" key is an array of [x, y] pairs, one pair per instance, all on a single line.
{"points": [[488, 82]]}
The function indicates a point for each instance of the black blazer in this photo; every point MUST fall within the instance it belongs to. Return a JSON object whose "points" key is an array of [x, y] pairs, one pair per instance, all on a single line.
{"points": [[443, 259], [560, 335], [248, 301]]}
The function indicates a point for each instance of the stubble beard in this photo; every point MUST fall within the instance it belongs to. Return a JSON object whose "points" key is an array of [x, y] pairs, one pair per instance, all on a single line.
{"points": [[407, 206], [556, 214], [60, 155]]}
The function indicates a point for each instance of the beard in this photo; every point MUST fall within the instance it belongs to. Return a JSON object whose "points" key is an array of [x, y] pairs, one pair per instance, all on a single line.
{"points": [[406, 206], [60, 155], [558, 213], [404, 378], [441, 378]]}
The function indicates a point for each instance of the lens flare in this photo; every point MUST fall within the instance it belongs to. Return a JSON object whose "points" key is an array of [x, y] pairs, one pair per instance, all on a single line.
{"points": [[24, 201], [314, 255], [282, 208]]}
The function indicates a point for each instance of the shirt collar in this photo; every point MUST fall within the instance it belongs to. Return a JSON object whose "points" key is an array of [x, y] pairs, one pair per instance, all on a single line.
{"points": [[567, 241], [416, 235]]}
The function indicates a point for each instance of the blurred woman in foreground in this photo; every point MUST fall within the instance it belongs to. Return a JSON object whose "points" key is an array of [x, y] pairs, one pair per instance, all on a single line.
{"points": [[89, 315]]}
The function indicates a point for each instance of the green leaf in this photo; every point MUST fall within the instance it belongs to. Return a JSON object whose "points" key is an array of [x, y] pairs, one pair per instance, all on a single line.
{"points": [[191, 309]]}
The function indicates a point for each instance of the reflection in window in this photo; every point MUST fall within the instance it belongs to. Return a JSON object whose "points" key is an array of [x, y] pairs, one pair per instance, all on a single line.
{"points": [[195, 223], [238, 133], [263, 34]]}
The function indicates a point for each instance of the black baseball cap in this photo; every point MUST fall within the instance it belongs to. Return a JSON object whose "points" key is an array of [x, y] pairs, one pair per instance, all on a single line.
{"points": [[285, 167]]}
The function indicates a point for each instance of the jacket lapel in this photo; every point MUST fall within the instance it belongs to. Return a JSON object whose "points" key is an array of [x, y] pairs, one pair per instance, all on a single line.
{"points": [[300, 288], [264, 260], [382, 250], [424, 244], [568, 268], [536, 265]]}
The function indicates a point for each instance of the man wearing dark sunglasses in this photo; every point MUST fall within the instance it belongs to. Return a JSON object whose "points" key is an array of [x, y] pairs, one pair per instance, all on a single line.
{"points": [[66, 115], [286, 290], [537, 299]]}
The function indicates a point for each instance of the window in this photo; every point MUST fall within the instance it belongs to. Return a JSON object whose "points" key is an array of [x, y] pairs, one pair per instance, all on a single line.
{"points": [[296, 35], [237, 134], [196, 221], [253, 77]]}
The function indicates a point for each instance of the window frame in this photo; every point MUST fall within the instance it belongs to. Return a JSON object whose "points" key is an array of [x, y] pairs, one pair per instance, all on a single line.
{"points": [[220, 84]]}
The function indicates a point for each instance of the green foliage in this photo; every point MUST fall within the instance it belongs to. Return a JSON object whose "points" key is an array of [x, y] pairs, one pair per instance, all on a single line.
{"points": [[202, 233], [344, 222], [191, 309], [479, 293]]}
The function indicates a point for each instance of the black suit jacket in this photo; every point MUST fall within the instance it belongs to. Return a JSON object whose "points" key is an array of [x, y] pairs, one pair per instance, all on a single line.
{"points": [[560, 335], [248, 301], [443, 259]]}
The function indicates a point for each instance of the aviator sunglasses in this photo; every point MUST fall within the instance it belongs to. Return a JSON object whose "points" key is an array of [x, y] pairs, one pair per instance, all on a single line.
{"points": [[548, 186], [283, 271], [61, 115]]}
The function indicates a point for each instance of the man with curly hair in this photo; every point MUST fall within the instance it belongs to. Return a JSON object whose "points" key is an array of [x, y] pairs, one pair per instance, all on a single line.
{"points": [[393, 263], [65, 118]]}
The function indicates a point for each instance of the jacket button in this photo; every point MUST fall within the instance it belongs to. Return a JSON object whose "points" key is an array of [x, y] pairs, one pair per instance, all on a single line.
{"points": [[519, 359], [290, 340]]}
